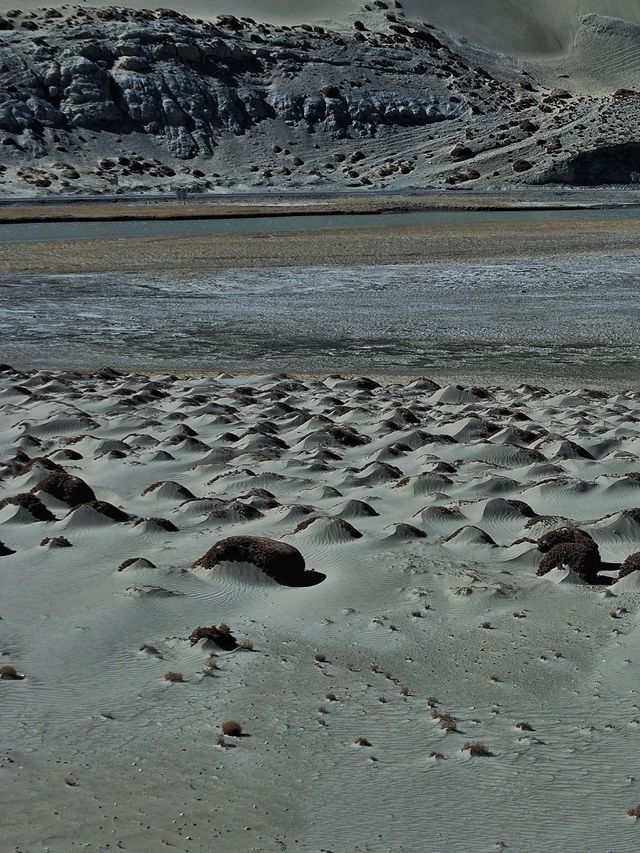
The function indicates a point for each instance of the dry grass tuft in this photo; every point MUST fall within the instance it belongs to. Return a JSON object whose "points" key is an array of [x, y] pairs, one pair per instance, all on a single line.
{"points": [[147, 647], [478, 749], [634, 812], [231, 728], [320, 658], [173, 676], [437, 755], [331, 697], [361, 741], [525, 727]]}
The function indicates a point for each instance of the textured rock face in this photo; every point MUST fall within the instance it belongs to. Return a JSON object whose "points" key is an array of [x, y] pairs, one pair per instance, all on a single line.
{"points": [[189, 82], [117, 101], [610, 164]]}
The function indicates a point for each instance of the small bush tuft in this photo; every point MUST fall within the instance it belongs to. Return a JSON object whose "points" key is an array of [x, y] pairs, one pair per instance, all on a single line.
{"points": [[9, 673], [231, 728], [478, 749], [630, 565], [362, 741], [173, 676]]}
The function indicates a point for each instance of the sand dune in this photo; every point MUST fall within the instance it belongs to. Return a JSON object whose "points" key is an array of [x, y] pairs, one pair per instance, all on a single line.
{"points": [[423, 642]]}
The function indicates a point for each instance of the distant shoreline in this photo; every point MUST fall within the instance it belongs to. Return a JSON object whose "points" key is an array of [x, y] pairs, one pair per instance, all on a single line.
{"points": [[39, 211]]}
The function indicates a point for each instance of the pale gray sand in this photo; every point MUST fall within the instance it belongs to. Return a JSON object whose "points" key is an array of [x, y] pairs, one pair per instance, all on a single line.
{"points": [[99, 752]]}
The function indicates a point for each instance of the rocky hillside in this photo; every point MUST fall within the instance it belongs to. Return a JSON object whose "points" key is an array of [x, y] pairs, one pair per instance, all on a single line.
{"points": [[115, 100]]}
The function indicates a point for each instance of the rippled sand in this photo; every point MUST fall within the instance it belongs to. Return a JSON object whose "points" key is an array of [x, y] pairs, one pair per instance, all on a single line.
{"points": [[422, 505]]}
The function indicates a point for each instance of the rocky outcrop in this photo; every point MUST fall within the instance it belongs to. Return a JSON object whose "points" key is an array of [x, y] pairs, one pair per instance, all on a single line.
{"points": [[187, 82], [610, 164]]}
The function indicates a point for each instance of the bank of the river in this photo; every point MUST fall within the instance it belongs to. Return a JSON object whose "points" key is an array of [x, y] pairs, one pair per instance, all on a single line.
{"points": [[313, 241]]}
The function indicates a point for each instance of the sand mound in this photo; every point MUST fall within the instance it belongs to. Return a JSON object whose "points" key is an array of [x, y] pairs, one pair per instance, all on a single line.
{"points": [[327, 531], [32, 504], [280, 561], [136, 563], [354, 509], [169, 491], [564, 575], [234, 512], [155, 525], [470, 536], [406, 533]]}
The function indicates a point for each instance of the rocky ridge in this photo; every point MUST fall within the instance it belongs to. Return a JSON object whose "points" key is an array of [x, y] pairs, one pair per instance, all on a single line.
{"points": [[119, 100]]}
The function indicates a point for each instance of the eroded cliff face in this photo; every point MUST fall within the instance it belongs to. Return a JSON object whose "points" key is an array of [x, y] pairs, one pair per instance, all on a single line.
{"points": [[603, 166], [188, 82]]}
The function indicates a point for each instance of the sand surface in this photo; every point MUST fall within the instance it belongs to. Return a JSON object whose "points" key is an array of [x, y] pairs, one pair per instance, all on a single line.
{"points": [[421, 504], [325, 247]]}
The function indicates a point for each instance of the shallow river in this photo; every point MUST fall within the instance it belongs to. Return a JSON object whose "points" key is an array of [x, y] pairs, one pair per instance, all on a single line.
{"points": [[44, 231]]}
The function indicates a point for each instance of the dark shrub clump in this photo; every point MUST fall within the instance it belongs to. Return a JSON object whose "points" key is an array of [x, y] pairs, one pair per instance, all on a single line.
{"points": [[280, 561], [220, 635], [65, 487], [32, 504], [630, 565], [579, 557]]}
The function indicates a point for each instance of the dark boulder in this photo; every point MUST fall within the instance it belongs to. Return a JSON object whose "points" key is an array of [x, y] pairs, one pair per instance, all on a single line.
{"points": [[609, 164]]}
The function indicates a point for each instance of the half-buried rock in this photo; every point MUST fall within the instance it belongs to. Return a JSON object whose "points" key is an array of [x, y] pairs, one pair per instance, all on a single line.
{"points": [[279, 560]]}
